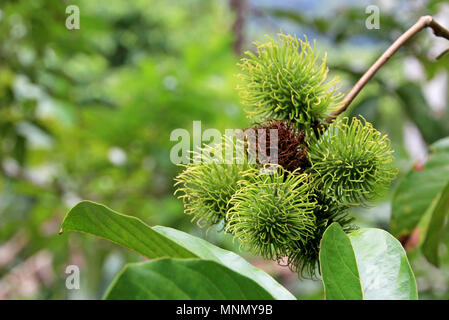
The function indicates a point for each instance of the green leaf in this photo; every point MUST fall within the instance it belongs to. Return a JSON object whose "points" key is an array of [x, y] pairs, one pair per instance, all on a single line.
{"points": [[158, 242], [418, 110], [383, 266], [368, 263], [341, 277], [206, 250], [431, 243], [183, 279], [418, 189], [129, 232]]}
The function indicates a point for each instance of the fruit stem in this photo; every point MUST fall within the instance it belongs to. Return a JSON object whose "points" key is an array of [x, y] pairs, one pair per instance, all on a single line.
{"points": [[423, 22]]}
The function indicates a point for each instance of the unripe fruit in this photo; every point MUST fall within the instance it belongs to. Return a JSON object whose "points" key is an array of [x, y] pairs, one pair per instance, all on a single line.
{"points": [[352, 161], [284, 81]]}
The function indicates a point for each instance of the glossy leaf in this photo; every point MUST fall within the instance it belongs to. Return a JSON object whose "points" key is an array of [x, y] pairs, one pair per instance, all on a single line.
{"points": [[434, 229], [206, 250], [339, 266], [383, 266], [368, 263], [129, 232], [183, 279], [158, 242], [419, 188]]}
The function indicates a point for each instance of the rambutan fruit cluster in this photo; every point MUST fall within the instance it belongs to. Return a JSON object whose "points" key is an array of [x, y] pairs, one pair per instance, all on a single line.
{"points": [[322, 168]]}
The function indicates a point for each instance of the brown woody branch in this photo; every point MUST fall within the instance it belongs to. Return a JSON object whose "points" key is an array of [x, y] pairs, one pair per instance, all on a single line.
{"points": [[423, 22]]}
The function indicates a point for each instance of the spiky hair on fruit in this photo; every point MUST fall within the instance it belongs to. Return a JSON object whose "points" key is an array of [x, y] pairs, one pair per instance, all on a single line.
{"points": [[272, 213], [352, 161], [322, 168], [304, 257], [285, 81], [207, 184]]}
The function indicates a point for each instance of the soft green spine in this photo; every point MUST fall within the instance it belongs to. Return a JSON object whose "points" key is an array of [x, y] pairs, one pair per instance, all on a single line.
{"points": [[284, 80], [352, 161]]}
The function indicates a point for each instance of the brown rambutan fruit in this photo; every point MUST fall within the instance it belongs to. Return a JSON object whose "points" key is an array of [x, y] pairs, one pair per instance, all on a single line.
{"points": [[290, 147]]}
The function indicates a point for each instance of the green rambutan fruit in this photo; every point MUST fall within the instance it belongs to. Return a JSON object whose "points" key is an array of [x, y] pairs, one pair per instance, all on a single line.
{"points": [[321, 171], [304, 257], [208, 184], [271, 213], [351, 161], [284, 81]]}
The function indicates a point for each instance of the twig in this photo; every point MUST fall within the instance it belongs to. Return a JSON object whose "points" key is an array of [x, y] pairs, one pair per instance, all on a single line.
{"points": [[423, 22], [442, 54], [240, 7]]}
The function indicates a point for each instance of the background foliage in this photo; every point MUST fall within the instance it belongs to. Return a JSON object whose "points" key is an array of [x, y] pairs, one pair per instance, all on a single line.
{"points": [[87, 114]]}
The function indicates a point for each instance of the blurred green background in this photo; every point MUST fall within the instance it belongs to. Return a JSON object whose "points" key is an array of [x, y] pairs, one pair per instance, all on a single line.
{"points": [[87, 114]]}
